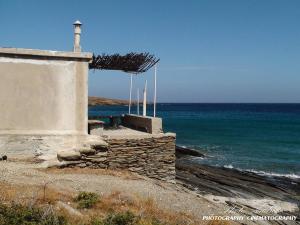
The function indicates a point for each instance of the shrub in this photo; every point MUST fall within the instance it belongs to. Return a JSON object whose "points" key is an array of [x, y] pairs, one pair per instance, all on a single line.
{"points": [[96, 221], [23, 215], [155, 221], [127, 218], [86, 200]]}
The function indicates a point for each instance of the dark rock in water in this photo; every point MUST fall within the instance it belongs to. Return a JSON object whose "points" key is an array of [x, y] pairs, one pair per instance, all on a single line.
{"points": [[4, 158], [232, 183], [182, 152]]}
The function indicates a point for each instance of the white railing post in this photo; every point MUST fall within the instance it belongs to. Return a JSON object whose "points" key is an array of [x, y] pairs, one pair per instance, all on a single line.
{"points": [[130, 92], [138, 102], [145, 100], [154, 101]]}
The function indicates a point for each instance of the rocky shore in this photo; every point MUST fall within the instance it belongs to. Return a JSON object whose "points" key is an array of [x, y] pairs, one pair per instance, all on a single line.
{"points": [[239, 189]]}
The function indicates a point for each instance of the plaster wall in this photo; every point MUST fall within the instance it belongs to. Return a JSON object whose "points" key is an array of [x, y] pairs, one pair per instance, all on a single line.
{"points": [[43, 93]]}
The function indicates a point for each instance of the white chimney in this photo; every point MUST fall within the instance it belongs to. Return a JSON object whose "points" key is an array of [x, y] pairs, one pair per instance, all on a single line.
{"points": [[77, 32]]}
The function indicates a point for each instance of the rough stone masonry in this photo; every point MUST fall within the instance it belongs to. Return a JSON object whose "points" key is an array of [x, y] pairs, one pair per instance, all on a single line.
{"points": [[152, 156]]}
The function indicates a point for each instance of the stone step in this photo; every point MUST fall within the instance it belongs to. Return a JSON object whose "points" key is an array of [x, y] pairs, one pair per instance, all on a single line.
{"points": [[98, 144], [87, 151], [68, 155], [99, 160]]}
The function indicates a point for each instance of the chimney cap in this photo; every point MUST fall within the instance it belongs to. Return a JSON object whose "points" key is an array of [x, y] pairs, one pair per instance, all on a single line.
{"points": [[77, 22]]}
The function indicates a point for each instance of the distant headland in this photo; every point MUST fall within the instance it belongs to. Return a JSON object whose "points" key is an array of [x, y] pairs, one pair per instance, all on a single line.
{"points": [[93, 101]]}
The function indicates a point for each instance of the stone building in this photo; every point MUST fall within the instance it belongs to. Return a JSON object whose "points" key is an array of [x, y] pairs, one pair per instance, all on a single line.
{"points": [[44, 113]]}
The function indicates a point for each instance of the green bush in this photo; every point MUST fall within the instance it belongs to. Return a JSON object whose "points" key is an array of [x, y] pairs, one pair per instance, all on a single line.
{"points": [[96, 221], [17, 214], [155, 221], [127, 218], [86, 200]]}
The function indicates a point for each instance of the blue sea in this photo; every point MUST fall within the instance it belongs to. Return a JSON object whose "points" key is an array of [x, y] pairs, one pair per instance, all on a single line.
{"points": [[261, 138]]}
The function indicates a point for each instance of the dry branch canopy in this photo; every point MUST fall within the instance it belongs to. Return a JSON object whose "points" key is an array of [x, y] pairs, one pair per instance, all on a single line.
{"points": [[130, 63]]}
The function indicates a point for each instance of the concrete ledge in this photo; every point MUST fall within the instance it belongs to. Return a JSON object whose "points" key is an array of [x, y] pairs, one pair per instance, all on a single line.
{"points": [[42, 132], [127, 133], [95, 127], [45, 54], [152, 125]]}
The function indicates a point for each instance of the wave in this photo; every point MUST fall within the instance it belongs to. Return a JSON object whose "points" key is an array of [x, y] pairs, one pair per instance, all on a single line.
{"points": [[263, 173], [228, 166], [208, 156]]}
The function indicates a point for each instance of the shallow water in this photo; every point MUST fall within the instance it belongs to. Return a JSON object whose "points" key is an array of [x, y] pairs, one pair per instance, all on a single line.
{"points": [[262, 138]]}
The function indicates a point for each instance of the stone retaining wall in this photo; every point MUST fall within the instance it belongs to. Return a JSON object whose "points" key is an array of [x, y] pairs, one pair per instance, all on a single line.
{"points": [[153, 157]]}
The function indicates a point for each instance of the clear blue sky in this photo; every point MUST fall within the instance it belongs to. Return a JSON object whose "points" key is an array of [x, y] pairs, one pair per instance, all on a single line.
{"points": [[210, 51]]}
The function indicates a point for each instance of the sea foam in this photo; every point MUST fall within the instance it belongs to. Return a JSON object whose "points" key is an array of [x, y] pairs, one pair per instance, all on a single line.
{"points": [[263, 173]]}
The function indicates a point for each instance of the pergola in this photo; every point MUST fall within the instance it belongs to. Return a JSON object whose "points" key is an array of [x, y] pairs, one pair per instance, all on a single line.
{"points": [[132, 63]]}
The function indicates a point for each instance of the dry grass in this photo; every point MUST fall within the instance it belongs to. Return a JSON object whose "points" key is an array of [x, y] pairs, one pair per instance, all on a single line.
{"points": [[125, 174], [116, 202], [31, 193], [144, 208]]}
